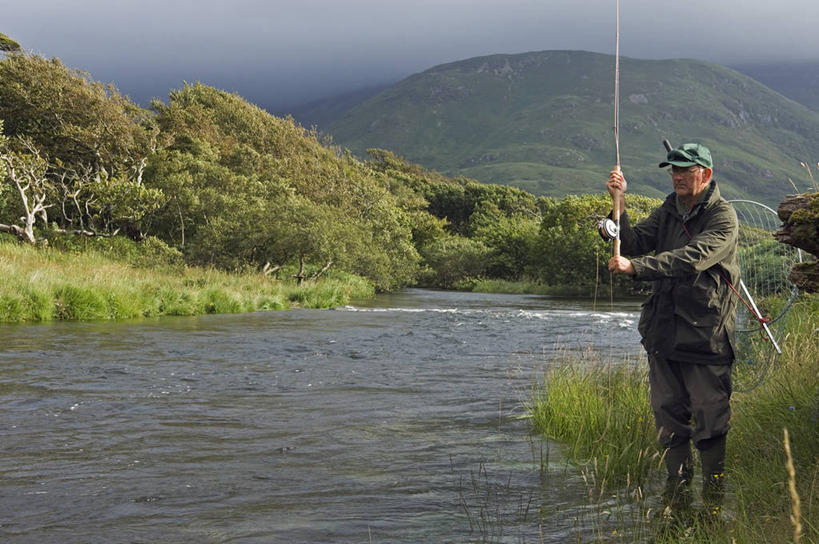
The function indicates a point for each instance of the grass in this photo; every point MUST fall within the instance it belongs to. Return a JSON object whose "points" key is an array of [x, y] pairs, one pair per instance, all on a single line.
{"points": [[600, 413], [814, 186], [43, 284]]}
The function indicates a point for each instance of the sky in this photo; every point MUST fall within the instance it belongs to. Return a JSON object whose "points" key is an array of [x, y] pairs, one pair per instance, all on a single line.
{"points": [[279, 54]]}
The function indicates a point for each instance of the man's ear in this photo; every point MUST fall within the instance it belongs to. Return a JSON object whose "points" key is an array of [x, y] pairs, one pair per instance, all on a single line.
{"points": [[706, 176]]}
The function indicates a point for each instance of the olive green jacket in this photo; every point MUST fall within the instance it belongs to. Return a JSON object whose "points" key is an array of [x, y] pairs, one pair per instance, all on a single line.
{"points": [[691, 314]]}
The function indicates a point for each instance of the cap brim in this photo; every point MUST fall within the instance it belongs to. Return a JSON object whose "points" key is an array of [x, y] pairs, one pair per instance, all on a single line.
{"points": [[677, 163]]}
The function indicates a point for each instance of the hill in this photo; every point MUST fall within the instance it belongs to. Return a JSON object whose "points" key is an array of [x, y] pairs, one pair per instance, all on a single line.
{"points": [[320, 113], [542, 121], [799, 81]]}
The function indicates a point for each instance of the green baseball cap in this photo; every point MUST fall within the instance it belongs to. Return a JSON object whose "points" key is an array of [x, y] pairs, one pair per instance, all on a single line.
{"points": [[689, 155]]}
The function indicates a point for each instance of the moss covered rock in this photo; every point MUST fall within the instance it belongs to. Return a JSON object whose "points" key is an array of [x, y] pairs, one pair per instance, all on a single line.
{"points": [[800, 228]]}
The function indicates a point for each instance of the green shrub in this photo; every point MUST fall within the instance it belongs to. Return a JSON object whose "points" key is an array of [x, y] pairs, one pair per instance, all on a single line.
{"points": [[74, 302], [218, 301], [12, 308]]}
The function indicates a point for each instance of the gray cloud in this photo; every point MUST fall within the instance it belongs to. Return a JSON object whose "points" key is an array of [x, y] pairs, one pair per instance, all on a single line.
{"points": [[282, 53]]}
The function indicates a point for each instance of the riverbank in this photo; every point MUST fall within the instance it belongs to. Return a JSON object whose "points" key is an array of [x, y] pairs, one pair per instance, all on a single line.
{"points": [[507, 287], [48, 284], [602, 291], [601, 413]]}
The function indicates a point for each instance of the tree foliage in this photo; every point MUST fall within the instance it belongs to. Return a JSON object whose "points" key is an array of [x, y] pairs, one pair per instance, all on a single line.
{"points": [[8, 45], [569, 250], [221, 182], [250, 189], [94, 141], [74, 120]]}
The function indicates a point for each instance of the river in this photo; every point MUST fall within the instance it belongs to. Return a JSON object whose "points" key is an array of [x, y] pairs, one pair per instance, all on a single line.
{"points": [[391, 420]]}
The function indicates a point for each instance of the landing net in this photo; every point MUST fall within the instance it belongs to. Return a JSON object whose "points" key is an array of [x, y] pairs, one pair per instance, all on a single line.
{"points": [[764, 265]]}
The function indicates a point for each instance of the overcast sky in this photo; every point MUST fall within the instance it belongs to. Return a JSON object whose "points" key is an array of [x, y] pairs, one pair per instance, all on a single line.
{"points": [[281, 53]]}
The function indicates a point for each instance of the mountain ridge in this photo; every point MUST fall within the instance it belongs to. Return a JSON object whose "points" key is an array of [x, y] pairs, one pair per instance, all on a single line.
{"points": [[542, 121]]}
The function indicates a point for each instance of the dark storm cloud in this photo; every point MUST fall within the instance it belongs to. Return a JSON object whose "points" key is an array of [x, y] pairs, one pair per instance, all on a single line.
{"points": [[281, 53]]}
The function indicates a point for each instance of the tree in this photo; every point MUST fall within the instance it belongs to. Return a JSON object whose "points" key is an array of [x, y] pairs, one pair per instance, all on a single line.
{"points": [[249, 189], [95, 144], [454, 260], [511, 238], [8, 45], [569, 251], [75, 121], [26, 173]]}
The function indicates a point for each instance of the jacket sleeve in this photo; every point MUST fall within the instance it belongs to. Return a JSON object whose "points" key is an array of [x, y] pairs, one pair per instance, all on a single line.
{"points": [[705, 249], [641, 238]]}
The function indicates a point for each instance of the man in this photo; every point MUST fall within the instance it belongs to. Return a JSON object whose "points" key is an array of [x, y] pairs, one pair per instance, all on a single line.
{"points": [[687, 248]]}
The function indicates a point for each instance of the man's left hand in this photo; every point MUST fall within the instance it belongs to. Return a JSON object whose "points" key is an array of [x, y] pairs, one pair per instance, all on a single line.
{"points": [[621, 265]]}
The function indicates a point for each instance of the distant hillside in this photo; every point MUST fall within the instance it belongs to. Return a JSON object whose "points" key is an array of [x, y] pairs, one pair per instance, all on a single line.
{"points": [[797, 81], [542, 121], [320, 113]]}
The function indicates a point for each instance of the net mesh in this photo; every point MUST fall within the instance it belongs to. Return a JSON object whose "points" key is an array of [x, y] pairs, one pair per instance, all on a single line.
{"points": [[764, 264]]}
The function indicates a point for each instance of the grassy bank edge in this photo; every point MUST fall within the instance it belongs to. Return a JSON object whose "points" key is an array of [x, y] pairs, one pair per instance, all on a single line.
{"points": [[599, 412], [602, 291], [41, 285]]}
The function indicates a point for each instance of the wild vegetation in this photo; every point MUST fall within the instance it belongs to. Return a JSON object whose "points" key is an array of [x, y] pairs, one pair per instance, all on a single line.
{"points": [[229, 186], [600, 411], [114, 279], [206, 203]]}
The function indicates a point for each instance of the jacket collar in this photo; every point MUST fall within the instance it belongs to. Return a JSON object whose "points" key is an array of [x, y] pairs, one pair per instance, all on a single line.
{"points": [[710, 196]]}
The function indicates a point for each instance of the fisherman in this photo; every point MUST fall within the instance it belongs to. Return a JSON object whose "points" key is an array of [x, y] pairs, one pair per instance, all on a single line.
{"points": [[687, 249]]}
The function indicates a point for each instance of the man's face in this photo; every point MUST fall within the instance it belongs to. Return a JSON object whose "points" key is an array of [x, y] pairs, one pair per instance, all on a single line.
{"points": [[690, 181]]}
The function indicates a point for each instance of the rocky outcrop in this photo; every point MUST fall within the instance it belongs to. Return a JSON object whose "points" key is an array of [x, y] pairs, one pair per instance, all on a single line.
{"points": [[800, 228]]}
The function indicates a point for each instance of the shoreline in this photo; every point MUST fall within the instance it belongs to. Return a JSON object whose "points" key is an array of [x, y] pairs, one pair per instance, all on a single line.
{"points": [[45, 285], [599, 410]]}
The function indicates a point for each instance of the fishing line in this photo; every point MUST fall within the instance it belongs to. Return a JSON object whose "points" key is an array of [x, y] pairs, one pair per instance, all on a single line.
{"points": [[617, 87]]}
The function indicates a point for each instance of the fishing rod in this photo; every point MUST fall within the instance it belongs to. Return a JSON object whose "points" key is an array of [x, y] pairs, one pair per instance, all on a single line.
{"points": [[608, 228], [616, 196]]}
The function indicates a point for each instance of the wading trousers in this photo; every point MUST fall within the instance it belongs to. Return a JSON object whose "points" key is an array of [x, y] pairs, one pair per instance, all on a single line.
{"points": [[691, 403]]}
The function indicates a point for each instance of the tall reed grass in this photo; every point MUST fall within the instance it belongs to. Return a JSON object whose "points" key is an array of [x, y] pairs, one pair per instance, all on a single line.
{"points": [[42, 284], [600, 414], [813, 184]]}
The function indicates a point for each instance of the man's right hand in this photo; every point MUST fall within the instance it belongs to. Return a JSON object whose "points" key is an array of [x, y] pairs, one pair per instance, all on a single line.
{"points": [[616, 183], [616, 186]]}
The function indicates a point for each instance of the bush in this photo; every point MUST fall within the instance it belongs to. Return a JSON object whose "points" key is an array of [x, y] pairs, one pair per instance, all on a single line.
{"points": [[80, 303], [454, 260]]}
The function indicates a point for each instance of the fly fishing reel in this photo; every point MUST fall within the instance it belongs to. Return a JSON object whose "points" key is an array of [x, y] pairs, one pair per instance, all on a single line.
{"points": [[608, 229]]}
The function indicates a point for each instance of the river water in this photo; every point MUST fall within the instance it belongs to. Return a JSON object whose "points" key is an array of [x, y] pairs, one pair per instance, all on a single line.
{"points": [[391, 420]]}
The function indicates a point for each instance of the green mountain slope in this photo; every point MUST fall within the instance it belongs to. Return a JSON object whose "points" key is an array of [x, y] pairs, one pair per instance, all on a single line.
{"points": [[799, 81], [543, 121]]}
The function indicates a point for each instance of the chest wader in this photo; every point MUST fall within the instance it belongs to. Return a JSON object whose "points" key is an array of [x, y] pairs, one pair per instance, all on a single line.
{"points": [[682, 394], [677, 494], [712, 453]]}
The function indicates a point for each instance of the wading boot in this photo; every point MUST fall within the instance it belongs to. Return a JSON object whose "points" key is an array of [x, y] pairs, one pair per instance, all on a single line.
{"points": [[713, 479], [677, 494]]}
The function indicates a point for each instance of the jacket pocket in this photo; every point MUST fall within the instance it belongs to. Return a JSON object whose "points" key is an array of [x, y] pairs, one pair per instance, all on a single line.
{"points": [[697, 333], [647, 315]]}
